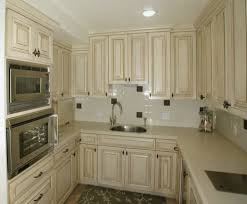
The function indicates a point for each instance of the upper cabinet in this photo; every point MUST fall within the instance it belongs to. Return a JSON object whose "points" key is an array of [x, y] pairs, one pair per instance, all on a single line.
{"points": [[98, 63], [138, 58], [118, 64], [28, 40], [183, 63], [159, 64]]}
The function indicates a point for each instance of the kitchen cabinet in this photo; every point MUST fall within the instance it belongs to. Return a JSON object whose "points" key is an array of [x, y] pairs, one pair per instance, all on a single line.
{"points": [[118, 59], [75, 163], [111, 163], [192, 196], [80, 73], [98, 63], [138, 58], [159, 64], [166, 172], [88, 164], [183, 55], [139, 169], [28, 40], [66, 67], [200, 72]]}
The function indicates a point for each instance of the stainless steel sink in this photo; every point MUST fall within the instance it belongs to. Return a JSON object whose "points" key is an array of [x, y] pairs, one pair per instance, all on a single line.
{"points": [[128, 128]]}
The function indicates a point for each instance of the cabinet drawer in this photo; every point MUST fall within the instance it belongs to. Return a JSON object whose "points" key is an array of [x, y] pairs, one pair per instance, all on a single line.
{"points": [[44, 194], [89, 138], [126, 142], [30, 178], [64, 151], [166, 145]]}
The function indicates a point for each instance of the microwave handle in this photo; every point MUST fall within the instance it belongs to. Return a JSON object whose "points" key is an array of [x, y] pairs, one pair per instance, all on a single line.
{"points": [[55, 127]]}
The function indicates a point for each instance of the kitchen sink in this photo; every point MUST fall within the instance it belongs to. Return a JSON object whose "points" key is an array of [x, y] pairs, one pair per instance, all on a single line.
{"points": [[128, 128], [228, 182]]}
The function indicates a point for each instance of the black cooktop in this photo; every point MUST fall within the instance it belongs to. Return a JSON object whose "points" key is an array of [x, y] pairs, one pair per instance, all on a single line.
{"points": [[228, 182]]}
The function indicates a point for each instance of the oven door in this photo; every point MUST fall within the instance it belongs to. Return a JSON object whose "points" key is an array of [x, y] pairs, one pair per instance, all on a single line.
{"points": [[28, 141], [28, 86]]}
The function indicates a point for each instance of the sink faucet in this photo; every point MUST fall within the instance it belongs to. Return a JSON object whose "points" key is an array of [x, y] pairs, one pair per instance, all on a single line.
{"points": [[113, 118]]}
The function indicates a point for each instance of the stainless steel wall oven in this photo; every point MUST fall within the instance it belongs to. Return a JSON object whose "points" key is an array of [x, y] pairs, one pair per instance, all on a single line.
{"points": [[29, 138]]}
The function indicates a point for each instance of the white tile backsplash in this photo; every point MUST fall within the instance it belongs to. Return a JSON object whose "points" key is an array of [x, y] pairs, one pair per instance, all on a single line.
{"points": [[182, 113]]}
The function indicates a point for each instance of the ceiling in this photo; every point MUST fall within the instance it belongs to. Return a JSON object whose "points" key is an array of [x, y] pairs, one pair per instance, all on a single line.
{"points": [[78, 17]]}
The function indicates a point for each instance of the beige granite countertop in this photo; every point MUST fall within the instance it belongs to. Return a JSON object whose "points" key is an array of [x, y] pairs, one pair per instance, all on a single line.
{"points": [[212, 152]]}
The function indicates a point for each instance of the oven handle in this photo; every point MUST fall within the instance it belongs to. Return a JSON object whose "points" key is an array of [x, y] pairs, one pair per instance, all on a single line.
{"points": [[53, 118]]}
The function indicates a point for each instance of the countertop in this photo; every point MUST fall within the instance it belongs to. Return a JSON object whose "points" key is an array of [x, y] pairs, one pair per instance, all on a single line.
{"points": [[212, 152]]}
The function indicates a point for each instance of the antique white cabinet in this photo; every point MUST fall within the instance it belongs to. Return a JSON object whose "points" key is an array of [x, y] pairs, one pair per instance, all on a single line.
{"points": [[88, 164], [183, 56], [192, 196], [138, 58], [28, 40], [98, 63], [118, 59], [159, 64], [66, 72], [80, 73]]}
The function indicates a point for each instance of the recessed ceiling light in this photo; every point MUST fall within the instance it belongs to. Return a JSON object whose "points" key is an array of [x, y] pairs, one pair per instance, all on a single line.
{"points": [[149, 13]]}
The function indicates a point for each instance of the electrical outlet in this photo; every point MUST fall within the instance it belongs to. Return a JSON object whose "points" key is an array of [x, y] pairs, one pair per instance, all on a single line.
{"points": [[78, 105], [139, 88], [167, 103], [113, 100], [139, 114]]}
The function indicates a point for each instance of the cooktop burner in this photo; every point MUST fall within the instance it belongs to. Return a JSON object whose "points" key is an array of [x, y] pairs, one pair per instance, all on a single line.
{"points": [[228, 182]]}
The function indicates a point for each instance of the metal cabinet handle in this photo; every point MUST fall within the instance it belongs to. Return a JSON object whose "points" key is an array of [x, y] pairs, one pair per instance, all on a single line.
{"points": [[74, 154], [35, 52], [150, 95], [126, 153], [129, 78], [65, 151], [39, 175], [38, 53], [176, 149], [40, 196], [202, 97], [123, 152], [106, 94], [172, 95], [95, 149], [88, 93], [157, 156]]}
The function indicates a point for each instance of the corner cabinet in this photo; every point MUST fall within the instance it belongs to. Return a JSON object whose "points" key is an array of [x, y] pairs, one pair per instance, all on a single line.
{"points": [[28, 40], [183, 63], [159, 65], [98, 63]]}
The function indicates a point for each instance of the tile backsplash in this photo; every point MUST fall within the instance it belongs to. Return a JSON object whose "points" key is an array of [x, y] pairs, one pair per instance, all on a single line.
{"points": [[182, 113], [232, 127]]}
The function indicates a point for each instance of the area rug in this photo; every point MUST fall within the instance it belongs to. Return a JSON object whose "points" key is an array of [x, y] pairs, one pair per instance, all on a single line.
{"points": [[98, 195]]}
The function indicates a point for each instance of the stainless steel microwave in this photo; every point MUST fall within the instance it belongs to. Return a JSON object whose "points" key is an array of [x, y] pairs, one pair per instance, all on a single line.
{"points": [[28, 88], [29, 138]]}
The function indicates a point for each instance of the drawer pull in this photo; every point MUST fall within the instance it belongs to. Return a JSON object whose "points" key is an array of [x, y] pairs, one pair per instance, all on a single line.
{"points": [[65, 151], [74, 154], [157, 156], [176, 149], [39, 175], [95, 149], [39, 198], [123, 152], [126, 153]]}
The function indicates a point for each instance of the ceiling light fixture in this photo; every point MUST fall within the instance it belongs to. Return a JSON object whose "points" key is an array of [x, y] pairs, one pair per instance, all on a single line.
{"points": [[149, 13]]}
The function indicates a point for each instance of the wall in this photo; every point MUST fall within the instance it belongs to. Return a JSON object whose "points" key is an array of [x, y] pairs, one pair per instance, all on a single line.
{"points": [[3, 154], [182, 113], [232, 127]]}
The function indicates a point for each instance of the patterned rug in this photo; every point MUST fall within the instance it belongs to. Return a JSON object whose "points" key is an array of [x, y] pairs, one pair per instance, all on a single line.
{"points": [[98, 195]]}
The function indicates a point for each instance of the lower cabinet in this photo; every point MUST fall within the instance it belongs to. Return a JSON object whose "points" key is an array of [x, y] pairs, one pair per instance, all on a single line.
{"points": [[166, 172], [192, 196], [75, 163], [88, 164]]}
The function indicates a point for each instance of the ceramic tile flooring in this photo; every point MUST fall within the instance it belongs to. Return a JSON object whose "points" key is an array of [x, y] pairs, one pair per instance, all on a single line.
{"points": [[75, 195]]}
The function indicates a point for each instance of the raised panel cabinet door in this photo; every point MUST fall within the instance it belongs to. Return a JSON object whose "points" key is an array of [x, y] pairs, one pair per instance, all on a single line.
{"points": [[159, 64], [80, 73], [88, 164], [56, 76], [166, 173], [192, 195], [63, 180], [138, 58], [99, 65], [19, 37], [66, 79], [183, 64], [44, 41], [111, 166], [240, 68], [118, 72], [75, 167], [139, 169]]}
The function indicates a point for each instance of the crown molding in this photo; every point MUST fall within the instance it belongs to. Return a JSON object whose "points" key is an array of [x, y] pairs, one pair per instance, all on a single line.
{"points": [[32, 13], [80, 48], [63, 45]]}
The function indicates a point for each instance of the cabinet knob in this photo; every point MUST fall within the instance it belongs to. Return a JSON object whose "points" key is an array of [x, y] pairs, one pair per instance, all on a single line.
{"points": [[106, 94], [40, 196], [88, 93], [150, 95], [176, 149], [74, 154], [172, 95], [129, 78], [65, 151], [38, 53], [157, 156], [202, 97], [126, 153], [226, 104], [35, 52], [123, 152], [95, 149]]}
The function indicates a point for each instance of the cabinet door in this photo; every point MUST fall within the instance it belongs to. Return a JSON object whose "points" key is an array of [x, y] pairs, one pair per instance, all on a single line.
{"points": [[183, 64], [118, 72], [159, 64], [88, 164], [240, 69], [192, 195], [139, 169], [66, 64], [63, 180], [56, 73], [99, 65], [80, 73], [138, 58], [111, 166], [19, 37], [44, 42], [166, 172], [75, 167]]}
